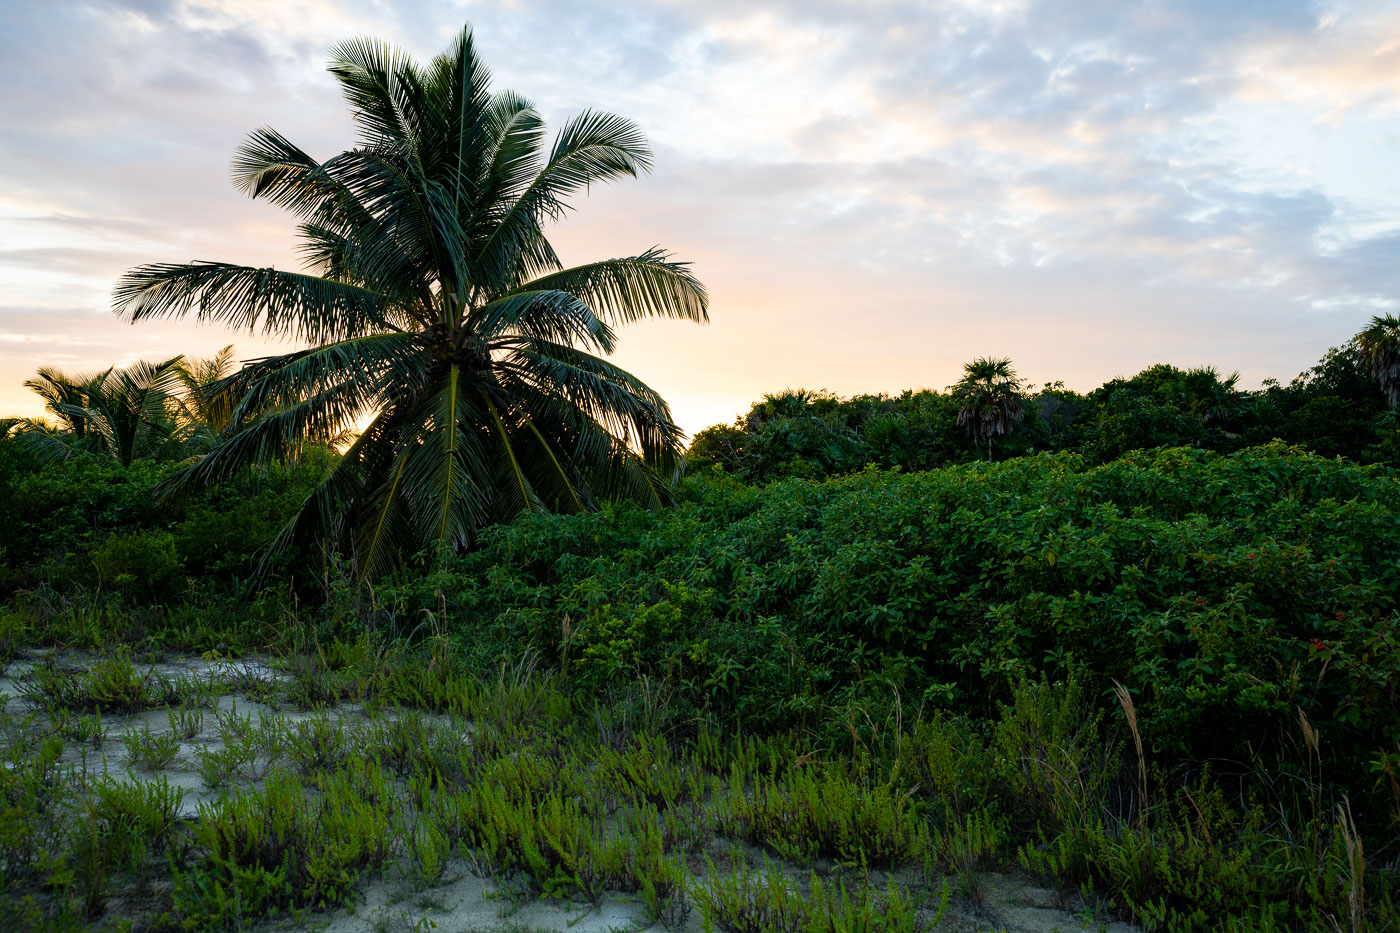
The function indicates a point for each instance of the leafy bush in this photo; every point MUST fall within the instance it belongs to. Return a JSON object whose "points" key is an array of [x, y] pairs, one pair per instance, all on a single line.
{"points": [[224, 532], [276, 846], [1224, 591], [809, 814], [765, 900], [139, 560]]}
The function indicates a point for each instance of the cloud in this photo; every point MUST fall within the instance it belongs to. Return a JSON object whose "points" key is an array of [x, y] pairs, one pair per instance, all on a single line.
{"points": [[873, 192]]}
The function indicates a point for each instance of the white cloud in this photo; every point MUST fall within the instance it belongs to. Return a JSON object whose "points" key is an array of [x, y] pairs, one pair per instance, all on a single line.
{"points": [[873, 192]]}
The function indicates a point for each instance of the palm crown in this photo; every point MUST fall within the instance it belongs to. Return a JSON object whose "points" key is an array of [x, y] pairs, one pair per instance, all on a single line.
{"points": [[441, 315], [991, 398], [1379, 348]]}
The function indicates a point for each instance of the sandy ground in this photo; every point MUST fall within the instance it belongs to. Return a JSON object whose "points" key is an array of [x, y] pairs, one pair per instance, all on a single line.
{"points": [[468, 903], [468, 900]]}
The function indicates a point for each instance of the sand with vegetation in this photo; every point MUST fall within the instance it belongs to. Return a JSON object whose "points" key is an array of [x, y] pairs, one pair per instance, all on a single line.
{"points": [[245, 794]]}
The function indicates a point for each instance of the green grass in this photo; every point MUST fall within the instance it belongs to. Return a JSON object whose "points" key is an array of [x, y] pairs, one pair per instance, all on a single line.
{"points": [[113, 685], [766, 899], [559, 796], [149, 751]]}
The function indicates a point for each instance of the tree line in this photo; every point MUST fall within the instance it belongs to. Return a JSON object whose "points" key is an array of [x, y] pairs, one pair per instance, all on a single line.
{"points": [[1344, 406]]}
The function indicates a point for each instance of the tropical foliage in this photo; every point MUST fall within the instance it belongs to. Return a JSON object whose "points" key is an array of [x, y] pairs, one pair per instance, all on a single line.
{"points": [[1147, 655], [989, 399], [920, 665], [440, 317], [1379, 348], [137, 413], [1224, 591], [201, 402], [1335, 408]]}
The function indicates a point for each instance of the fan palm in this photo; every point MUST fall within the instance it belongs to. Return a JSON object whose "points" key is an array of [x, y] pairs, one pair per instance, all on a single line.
{"points": [[991, 402], [439, 315], [1379, 348]]}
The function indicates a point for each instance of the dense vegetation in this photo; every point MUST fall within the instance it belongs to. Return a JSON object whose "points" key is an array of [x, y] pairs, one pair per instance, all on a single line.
{"points": [[1139, 643], [1245, 601], [1336, 408], [1227, 592]]}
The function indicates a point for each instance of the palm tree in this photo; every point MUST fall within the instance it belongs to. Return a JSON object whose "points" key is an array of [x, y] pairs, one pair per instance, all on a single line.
{"points": [[123, 414], [65, 396], [991, 400], [201, 402], [439, 315], [1379, 348], [1215, 399]]}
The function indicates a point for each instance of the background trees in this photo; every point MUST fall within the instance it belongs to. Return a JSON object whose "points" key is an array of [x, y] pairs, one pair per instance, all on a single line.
{"points": [[1336, 408], [123, 415]]}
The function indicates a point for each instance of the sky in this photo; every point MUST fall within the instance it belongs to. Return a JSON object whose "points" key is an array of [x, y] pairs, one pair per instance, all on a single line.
{"points": [[873, 192]]}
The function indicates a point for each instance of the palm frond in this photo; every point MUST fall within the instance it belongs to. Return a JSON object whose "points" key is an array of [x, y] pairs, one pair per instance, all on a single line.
{"points": [[543, 314], [621, 291], [325, 514], [591, 148], [382, 86], [42, 441], [372, 367], [445, 461], [288, 303], [607, 392]]}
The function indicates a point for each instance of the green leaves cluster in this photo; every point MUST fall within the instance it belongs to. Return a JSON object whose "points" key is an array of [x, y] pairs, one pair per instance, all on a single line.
{"points": [[92, 523], [147, 411], [1224, 591]]}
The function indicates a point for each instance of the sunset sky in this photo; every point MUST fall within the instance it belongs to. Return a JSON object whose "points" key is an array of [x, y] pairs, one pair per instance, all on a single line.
{"points": [[873, 192]]}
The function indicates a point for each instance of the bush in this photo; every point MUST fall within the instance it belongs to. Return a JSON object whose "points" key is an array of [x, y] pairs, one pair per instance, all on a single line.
{"points": [[225, 531], [1225, 592], [139, 560], [87, 522]]}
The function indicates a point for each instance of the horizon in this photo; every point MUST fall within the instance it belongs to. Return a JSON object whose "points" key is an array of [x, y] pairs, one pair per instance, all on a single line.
{"points": [[1087, 192]]}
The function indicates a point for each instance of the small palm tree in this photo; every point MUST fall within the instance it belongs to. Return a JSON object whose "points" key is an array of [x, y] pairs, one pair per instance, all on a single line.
{"points": [[1215, 399], [65, 396], [124, 414], [201, 402], [439, 315], [1379, 348], [991, 400]]}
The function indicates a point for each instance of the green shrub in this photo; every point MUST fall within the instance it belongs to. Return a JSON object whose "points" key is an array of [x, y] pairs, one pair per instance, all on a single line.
{"points": [[821, 813], [280, 846], [1223, 591], [121, 826], [744, 900], [224, 532], [143, 561], [149, 751], [112, 684]]}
